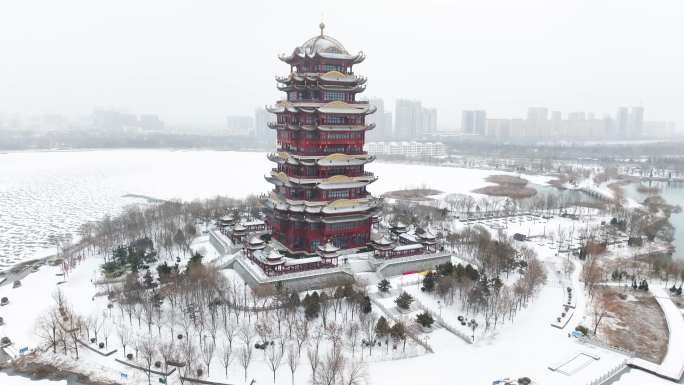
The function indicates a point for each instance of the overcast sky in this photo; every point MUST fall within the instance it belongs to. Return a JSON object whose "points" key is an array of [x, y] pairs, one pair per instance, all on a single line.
{"points": [[202, 60]]}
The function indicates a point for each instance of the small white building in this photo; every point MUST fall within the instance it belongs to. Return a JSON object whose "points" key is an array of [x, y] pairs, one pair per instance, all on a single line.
{"points": [[413, 149]]}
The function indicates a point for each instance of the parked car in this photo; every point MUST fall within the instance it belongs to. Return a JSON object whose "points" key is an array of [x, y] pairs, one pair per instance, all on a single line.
{"points": [[520, 237], [4, 301], [16, 284]]}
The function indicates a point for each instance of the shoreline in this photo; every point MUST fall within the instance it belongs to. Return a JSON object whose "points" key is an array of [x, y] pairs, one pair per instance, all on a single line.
{"points": [[45, 372]]}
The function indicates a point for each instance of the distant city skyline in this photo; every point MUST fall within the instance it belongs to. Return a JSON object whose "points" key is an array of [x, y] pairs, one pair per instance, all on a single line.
{"points": [[414, 121]]}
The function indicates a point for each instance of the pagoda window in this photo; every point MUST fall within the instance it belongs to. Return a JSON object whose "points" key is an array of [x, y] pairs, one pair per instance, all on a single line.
{"points": [[334, 95], [332, 67], [345, 225], [334, 120], [340, 194], [310, 135], [342, 149], [341, 135]]}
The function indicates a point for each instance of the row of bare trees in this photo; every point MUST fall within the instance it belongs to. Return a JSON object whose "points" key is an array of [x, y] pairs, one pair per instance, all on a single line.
{"points": [[198, 319], [169, 224]]}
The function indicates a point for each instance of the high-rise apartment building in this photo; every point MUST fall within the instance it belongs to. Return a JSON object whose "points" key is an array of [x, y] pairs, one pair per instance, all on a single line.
{"points": [[474, 122]]}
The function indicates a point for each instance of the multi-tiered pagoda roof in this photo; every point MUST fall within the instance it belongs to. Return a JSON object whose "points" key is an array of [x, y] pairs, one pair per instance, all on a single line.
{"points": [[321, 47]]}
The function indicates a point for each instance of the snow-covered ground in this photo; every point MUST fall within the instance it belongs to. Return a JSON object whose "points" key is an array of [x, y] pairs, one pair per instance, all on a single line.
{"points": [[34, 297], [52, 193], [525, 347]]}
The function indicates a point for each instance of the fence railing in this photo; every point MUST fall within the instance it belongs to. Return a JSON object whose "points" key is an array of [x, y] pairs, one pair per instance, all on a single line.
{"points": [[601, 344], [610, 374]]}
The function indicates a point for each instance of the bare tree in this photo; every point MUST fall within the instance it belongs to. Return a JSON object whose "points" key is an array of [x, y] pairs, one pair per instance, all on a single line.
{"points": [[330, 370], [87, 323], [97, 325], [333, 333], [58, 297], [148, 313], [124, 335], [274, 357], [292, 359], [246, 333], [263, 329], [75, 330], [208, 349], [352, 334], [245, 358], [47, 328], [229, 329], [63, 338], [106, 332], [147, 351], [226, 357], [137, 311], [591, 273], [598, 311], [186, 323], [301, 332], [158, 318], [368, 329], [167, 351], [312, 354], [189, 355], [354, 372]]}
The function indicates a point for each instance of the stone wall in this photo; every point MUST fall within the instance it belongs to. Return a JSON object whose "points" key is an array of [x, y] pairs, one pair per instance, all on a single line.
{"points": [[400, 266], [295, 281]]}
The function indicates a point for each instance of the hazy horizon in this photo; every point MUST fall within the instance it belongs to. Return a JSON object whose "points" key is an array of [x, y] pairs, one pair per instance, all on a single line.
{"points": [[188, 62]]}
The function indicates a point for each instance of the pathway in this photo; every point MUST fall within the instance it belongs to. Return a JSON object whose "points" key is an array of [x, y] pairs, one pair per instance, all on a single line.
{"points": [[672, 366]]}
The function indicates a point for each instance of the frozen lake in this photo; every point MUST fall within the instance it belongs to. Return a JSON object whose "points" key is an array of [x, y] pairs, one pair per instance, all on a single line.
{"points": [[52, 193], [673, 192]]}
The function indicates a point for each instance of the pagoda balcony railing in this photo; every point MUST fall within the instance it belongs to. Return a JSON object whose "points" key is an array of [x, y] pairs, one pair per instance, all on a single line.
{"points": [[284, 122], [349, 99], [274, 157], [323, 173], [350, 89], [319, 198], [350, 230], [286, 78], [303, 71], [322, 152], [321, 142], [299, 232]]}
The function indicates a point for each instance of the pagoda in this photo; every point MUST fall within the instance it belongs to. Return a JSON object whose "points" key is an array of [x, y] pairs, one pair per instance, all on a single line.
{"points": [[320, 195]]}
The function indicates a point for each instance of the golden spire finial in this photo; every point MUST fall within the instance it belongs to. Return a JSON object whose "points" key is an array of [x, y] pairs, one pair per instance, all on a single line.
{"points": [[322, 27]]}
